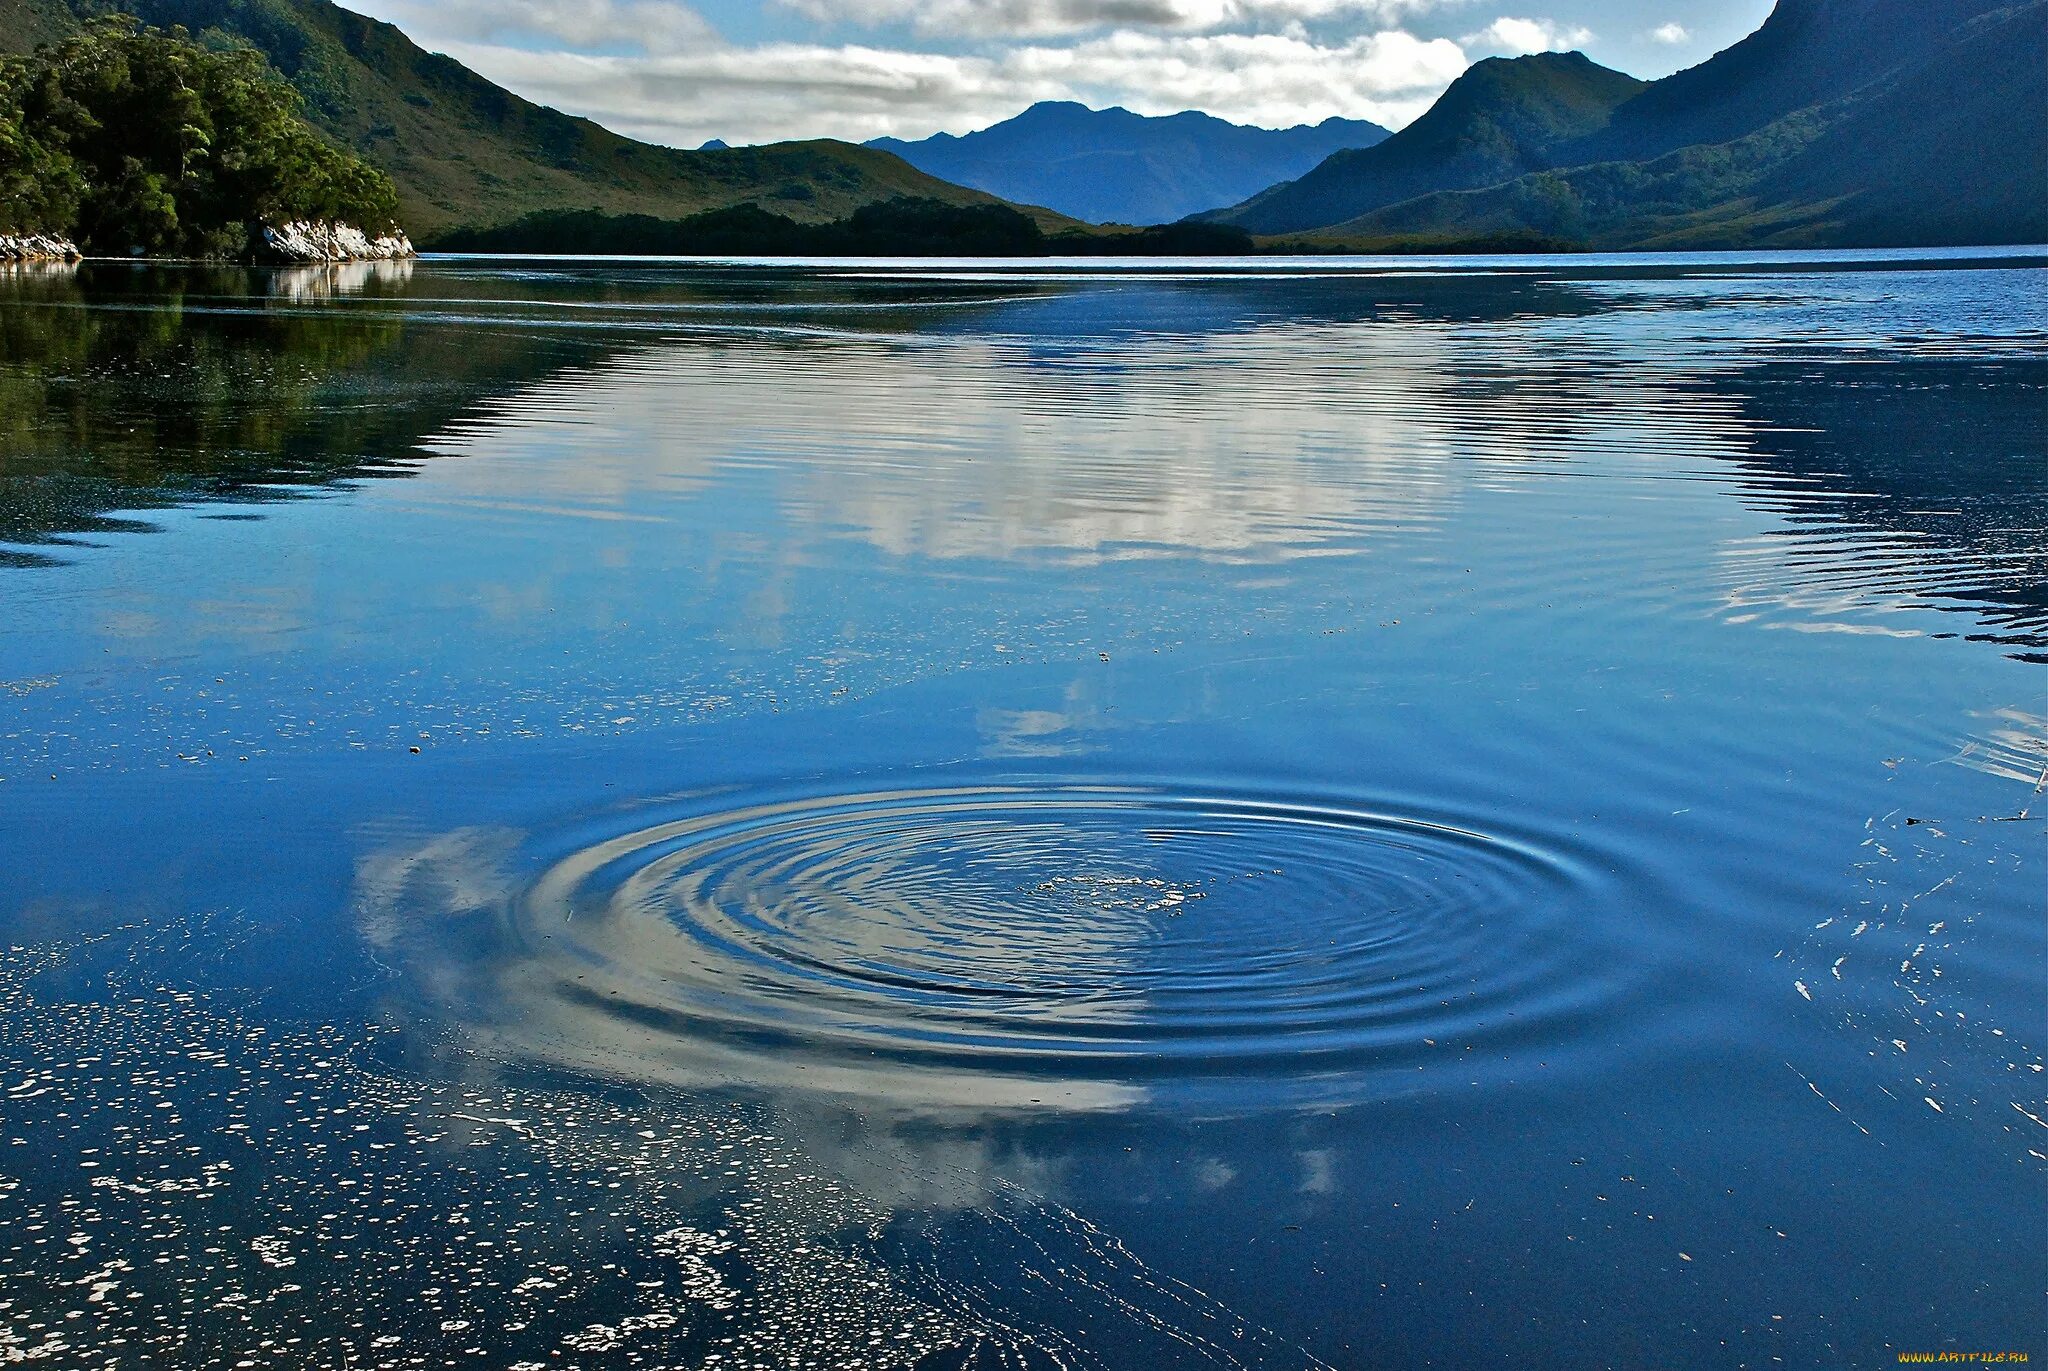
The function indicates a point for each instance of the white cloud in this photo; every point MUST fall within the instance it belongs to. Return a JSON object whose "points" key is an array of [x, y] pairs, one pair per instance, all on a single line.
{"points": [[644, 26], [1672, 34], [784, 90], [1520, 37], [1051, 18]]}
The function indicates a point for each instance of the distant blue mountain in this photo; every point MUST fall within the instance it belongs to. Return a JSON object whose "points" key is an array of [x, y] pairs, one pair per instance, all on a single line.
{"points": [[1113, 166]]}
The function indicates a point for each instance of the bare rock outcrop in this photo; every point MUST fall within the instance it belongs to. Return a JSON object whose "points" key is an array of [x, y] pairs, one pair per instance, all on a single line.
{"points": [[37, 247], [307, 241]]}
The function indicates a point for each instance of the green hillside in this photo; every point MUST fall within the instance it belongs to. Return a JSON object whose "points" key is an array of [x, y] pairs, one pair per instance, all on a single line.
{"points": [[1950, 148], [463, 151], [1497, 121]]}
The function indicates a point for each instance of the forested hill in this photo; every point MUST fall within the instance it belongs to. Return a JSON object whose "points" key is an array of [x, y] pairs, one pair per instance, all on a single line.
{"points": [[464, 151]]}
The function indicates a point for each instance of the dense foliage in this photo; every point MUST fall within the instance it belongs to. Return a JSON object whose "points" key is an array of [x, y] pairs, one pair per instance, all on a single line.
{"points": [[893, 228], [131, 139]]}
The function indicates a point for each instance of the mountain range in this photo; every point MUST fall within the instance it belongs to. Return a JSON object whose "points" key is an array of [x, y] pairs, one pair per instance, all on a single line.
{"points": [[1111, 166], [464, 151], [1838, 123]]}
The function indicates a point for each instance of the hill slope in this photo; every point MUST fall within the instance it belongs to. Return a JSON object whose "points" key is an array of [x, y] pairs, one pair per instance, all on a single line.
{"points": [[1113, 166], [1497, 121], [1807, 53], [1950, 147], [463, 151]]}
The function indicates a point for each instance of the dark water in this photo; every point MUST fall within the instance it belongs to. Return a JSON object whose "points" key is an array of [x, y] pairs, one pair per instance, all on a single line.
{"points": [[1355, 815]]}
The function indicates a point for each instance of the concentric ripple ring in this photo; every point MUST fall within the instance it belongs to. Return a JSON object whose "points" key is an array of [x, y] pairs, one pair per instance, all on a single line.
{"points": [[1015, 944]]}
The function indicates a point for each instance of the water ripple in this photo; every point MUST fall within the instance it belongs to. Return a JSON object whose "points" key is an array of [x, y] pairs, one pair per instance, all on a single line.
{"points": [[1012, 944]]}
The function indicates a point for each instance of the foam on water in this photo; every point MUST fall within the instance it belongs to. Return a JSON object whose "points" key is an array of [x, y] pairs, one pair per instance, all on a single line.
{"points": [[185, 1183]]}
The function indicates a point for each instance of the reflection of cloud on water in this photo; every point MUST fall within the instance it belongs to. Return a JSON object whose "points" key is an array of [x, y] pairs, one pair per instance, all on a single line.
{"points": [[1031, 733], [455, 916], [1073, 730], [968, 950], [2013, 745], [1264, 438], [962, 450]]}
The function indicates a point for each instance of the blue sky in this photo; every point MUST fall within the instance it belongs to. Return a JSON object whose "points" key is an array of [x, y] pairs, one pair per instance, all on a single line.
{"points": [[762, 70]]}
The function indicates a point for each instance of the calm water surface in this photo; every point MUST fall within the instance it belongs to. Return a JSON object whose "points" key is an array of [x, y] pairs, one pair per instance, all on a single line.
{"points": [[1331, 814]]}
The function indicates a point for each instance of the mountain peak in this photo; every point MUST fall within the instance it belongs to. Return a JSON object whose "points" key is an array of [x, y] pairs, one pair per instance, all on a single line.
{"points": [[1839, 123], [1498, 120], [1115, 166]]}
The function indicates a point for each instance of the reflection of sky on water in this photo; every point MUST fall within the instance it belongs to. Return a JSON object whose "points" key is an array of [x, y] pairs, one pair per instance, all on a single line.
{"points": [[1756, 950], [1245, 419]]}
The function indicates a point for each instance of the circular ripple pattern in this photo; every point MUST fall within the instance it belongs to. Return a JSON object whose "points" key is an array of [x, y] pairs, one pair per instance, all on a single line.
{"points": [[1009, 944]]}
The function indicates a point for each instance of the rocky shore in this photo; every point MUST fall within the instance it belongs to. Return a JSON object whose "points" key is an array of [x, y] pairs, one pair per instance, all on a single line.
{"points": [[298, 244], [37, 247]]}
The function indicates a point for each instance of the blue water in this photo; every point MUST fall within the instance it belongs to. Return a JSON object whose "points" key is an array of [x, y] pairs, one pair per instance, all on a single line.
{"points": [[1346, 813]]}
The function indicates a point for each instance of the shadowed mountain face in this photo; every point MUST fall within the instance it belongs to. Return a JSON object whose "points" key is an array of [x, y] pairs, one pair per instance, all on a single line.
{"points": [[464, 151], [1949, 148], [1839, 123], [1807, 53], [1113, 166], [1497, 121]]}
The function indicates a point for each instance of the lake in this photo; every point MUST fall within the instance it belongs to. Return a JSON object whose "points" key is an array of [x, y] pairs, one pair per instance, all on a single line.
{"points": [[1287, 813]]}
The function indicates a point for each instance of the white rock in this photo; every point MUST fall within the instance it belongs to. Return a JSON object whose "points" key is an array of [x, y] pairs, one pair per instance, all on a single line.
{"points": [[308, 241], [36, 247]]}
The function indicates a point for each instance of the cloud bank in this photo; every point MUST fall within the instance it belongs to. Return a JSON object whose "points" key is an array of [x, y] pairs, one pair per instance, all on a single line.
{"points": [[1051, 18], [660, 71]]}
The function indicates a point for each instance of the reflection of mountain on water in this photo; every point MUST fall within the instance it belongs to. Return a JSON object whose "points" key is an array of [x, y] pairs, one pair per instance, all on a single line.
{"points": [[964, 414], [1923, 480], [130, 389], [1070, 317]]}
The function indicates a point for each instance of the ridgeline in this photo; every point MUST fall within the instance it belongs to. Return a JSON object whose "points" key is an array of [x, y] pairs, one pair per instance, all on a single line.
{"points": [[1111, 166], [1838, 124]]}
